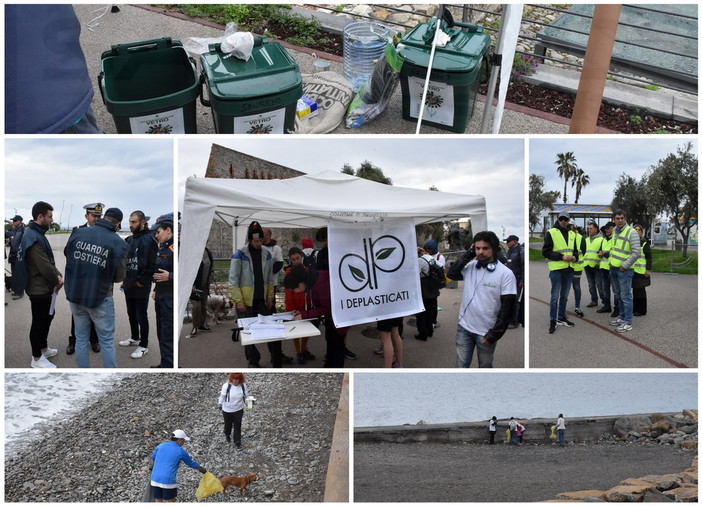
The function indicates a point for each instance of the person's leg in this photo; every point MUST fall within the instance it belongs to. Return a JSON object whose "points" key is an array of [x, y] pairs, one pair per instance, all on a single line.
{"points": [[253, 356], [236, 418], [615, 278], [627, 303], [81, 319], [606, 289], [41, 323], [336, 348], [165, 303], [103, 317], [276, 350], [566, 284], [198, 314], [397, 346], [388, 352], [555, 277], [591, 274], [492, 438], [486, 352], [577, 290], [228, 421], [142, 315], [132, 315], [432, 307], [465, 344], [423, 323], [203, 311]]}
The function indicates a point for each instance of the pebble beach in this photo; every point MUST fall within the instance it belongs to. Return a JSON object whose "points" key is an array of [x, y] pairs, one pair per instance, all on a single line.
{"points": [[101, 452]]}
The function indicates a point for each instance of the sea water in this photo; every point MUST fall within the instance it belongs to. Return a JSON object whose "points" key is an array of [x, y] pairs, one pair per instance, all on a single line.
{"points": [[33, 400], [388, 399]]}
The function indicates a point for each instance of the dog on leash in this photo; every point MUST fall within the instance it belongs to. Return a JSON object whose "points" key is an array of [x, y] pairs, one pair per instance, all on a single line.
{"points": [[238, 482], [217, 308]]}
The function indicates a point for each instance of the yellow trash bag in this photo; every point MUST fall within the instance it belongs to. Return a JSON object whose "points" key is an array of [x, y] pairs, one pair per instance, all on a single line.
{"points": [[209, 484], [553, 435], [509, 435]]}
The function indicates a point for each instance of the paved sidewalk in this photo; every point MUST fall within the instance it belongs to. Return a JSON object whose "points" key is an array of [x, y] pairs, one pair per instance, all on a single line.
{"points": [[135, 23], [664, 338], [216, 349]]}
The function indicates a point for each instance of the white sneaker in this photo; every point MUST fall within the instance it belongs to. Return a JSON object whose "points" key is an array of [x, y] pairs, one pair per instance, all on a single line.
{"points": [[49, 352], [616, 322], [43, 362], [624, 327], [140, 352], [128, 343]]}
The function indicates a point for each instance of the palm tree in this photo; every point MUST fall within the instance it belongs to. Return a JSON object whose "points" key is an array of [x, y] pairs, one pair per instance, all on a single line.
{"points": [[580, 181], [566, 168]]}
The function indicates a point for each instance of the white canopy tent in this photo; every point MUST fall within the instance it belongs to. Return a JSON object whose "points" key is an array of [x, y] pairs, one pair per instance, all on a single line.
{"points": [[308, 201]]}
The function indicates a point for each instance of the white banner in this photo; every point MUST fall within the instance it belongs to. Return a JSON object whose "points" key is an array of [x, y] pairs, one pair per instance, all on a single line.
{"points": [[373, 271], [507, 46]]}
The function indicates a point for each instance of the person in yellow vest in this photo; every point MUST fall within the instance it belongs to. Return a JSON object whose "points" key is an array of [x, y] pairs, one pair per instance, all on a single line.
{"points": [[562, 254], [578, 267], [591, 266], [603, 255], [622, 256], [642, 274]]}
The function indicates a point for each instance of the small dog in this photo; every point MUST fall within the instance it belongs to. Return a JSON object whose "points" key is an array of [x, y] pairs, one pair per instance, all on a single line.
{"points": [[238, 482], [217, 308]]}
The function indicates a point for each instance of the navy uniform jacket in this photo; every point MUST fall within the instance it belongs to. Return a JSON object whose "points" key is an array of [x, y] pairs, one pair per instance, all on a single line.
{"points": [[95, 260], [164, 260], [141, 260]]}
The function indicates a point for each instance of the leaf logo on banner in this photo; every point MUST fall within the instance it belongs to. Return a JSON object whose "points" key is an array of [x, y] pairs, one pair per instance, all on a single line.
{"points": [[364, 268]]}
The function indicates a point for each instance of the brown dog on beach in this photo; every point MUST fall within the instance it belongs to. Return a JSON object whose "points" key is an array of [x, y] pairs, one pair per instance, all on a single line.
{"points": [[238, 482]]}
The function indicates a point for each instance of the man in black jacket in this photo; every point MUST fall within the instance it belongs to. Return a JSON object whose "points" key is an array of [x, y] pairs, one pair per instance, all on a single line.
{"points": [[141, 264]]}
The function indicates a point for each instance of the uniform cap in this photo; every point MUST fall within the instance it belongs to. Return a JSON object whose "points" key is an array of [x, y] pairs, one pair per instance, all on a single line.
{"points": [[94, 208]]}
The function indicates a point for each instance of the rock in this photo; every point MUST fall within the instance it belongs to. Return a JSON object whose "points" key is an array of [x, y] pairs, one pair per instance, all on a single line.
{"points": [[362, 10], [691, 414], [689, 429], [689, 476], [688, 494], [581, 495], [689, 445], [656, 496], [625, 425], [661, 426], [627, 493], [639, 482]]}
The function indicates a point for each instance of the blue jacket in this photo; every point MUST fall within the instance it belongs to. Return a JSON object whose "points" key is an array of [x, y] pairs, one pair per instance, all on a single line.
{"points": [[164, 260], [141, 260], [47, 85], [95, 260], [167, 457]]}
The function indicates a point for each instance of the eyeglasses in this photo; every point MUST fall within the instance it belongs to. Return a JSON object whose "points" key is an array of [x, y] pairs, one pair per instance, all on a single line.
{"points": [[564, 219]]}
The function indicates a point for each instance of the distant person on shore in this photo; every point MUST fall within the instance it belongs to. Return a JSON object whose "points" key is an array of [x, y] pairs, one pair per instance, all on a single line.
{"points": [[165, 461], [489, 293], [492, 428], [520, 431], [39, 278], [560, 430], [232, 399], [513, 431]]}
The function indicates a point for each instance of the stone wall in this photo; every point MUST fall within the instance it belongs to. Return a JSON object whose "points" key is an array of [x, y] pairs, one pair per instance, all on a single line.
{"points": [[228, 163]]}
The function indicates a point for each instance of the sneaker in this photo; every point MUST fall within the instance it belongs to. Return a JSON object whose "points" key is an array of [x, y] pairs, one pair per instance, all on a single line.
{"points": [[615, 313], [616, 322], [138, 353], [16, 296], [128, 343], [301, 358], [435, 325], [395, 365], [49, 352], [43, 362], [579, 312], [552, 327], [350, 355], [379, 350], [624, 327], [564, 322], [308, 355], [420, 337], [592, 304], [605, 309], [204, 328], [286, 359]]}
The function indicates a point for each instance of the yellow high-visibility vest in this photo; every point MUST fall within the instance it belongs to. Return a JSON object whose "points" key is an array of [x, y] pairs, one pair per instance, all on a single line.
{"points": [[578, 265], [560, 246], [606, 247], [621, 246], [640, 264], [592, 246]]}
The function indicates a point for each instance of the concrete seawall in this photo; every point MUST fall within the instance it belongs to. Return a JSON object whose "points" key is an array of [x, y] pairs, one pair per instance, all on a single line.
{"points": [[578, 429]]}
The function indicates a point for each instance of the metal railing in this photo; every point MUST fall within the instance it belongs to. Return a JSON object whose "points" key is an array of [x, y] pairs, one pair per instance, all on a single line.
{"points": [[477, 14]]}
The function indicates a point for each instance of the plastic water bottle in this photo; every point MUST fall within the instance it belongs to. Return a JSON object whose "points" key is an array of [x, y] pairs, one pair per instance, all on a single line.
{"points": [[364, 43]]}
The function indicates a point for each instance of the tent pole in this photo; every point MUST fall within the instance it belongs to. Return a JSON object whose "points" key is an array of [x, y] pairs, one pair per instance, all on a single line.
{"points": [[440, 16], [494, 73]]}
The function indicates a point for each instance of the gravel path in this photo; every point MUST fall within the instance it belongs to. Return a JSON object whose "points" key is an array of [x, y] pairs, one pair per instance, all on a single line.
{"points": [[102, 453], [501, 473]]}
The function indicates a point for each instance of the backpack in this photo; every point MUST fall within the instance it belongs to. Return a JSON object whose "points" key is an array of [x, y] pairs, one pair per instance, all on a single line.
{"points": [[310, 261], [436, 274]]}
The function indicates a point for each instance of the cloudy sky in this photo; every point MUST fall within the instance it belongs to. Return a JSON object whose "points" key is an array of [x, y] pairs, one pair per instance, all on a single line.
{"points": [[129, 174], [493, 168], [604, 160]]}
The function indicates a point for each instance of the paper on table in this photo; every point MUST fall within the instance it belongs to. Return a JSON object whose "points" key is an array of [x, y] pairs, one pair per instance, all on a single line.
{"points": [[275, 318], [267, 331]]}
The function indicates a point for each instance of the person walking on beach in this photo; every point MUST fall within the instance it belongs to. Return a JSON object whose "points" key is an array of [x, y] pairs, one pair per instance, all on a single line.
{"points": [[232, 398], [165, 461], [492, 428], [560, 430], [513, 431]]}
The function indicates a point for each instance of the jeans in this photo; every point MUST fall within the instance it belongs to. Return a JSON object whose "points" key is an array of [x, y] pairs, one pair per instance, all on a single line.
{"points": [[41, 323], [103, 316], [576, 289], [233, 419], [560, 286], [466, 343], [87, 124], [595, 283], [606, 288], [164, 328], [621, 286], [513, 438], [561, 437], [137, 311]]}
